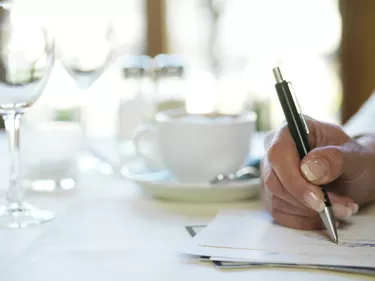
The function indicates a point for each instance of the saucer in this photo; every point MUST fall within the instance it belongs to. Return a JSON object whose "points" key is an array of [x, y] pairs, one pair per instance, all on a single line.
{"points": [[162, 185]]}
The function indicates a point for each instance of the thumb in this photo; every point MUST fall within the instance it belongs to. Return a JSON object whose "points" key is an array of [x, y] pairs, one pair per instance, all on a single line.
{"points": [[323, 165]]}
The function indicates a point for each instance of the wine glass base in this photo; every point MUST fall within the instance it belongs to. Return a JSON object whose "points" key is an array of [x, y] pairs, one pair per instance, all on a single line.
{"points": [[51, 185], [21, 215]]}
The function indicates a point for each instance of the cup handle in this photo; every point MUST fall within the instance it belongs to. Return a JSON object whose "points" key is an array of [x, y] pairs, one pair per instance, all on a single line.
{"points": [[144, 145]]}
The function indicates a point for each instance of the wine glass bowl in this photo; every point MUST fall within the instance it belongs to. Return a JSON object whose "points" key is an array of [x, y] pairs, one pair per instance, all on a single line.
{"points": [[84, 60], [25, 65], [26, 61], [85, 46], [85, 41]]}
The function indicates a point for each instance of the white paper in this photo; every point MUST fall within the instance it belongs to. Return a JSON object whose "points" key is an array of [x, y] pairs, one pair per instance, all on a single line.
{"points": [[253, 236]]}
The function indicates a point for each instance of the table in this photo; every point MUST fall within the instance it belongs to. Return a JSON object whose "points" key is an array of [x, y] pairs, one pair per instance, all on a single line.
{"points": [[107, 230]]}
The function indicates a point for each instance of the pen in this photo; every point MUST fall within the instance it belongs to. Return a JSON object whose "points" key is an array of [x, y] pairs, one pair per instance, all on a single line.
{"points": [[300, 132]]}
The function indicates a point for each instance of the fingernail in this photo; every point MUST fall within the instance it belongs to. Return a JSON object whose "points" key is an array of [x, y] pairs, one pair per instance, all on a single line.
{"points": [[315, 169], [314, 202], [341, 211], [354, 207]]}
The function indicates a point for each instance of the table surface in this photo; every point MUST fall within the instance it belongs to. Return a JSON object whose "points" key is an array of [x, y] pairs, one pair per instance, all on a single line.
{"points": [[106, 229]]}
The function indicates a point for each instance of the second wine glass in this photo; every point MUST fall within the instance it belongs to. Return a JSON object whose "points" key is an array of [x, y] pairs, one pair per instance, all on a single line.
{"points": [[85, 46]]}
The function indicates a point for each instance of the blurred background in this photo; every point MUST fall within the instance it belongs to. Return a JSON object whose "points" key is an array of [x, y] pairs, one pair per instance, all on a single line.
{"points": [[217, 55]]}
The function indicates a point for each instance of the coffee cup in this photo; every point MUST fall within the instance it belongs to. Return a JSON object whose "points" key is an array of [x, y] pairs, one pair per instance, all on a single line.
{"points": [[195, 147]]}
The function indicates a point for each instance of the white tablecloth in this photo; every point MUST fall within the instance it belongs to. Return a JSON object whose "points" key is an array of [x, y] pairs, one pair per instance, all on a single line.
{"points": [[107, 230]]}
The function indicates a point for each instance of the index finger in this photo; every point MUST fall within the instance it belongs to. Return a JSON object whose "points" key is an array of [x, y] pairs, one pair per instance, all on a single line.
{"points": [[284, 160]]}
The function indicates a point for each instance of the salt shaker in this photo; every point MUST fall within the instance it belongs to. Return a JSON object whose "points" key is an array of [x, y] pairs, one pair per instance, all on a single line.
{"points": [[169, 80], [136, 106]]}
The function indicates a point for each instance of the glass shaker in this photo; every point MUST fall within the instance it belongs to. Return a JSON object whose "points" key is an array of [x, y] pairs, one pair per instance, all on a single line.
{"points": [[51, 143], [169, 81], [136, 106]]}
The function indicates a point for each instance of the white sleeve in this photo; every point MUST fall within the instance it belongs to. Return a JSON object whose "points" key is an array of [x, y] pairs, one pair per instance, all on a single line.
{"points": [[363, 122]]}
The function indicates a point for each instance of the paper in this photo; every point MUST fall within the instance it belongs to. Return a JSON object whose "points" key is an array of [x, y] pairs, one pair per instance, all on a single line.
{"points": [[253, 236], [232, 263]]}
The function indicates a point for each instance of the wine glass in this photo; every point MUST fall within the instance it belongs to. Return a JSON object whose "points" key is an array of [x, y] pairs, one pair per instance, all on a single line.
{"points": [[85, 47], [26, 60]]}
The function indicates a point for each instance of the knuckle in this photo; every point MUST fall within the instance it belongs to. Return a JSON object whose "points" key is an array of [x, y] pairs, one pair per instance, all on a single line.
{"points": [[336, 153], [272, 184], [276, 203], [274, 136], [267, 179], [337, 156], [336, 127], [275, 151]]}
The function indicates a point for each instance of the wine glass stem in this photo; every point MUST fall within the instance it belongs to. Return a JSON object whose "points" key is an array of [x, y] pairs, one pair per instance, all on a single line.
{"points": [[84, 116], [15, 192]]}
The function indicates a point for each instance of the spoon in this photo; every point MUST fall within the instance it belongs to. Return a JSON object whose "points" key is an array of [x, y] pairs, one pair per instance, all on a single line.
{"points": [[244, 173]]}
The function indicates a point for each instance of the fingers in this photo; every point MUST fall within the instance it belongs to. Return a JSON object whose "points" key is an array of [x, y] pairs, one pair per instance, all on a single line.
{"points": [[289, 215], [325, 134], [291, 187], [280, 205], [273, 185], [323, 165], [351, 162], [297, 222], [284, 160], [268, 139], [343, 207], [286, 209], [277, 200]]}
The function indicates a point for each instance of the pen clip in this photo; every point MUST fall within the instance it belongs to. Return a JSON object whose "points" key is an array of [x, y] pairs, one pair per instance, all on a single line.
{"points": [[291, 88]]}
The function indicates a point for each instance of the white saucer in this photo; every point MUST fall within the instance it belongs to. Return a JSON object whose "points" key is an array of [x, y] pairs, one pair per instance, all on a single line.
{"points": [[161, 184]]}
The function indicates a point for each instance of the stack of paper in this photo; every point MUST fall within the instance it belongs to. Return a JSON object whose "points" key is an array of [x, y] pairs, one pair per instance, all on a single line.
{"points": [[245, 238]]}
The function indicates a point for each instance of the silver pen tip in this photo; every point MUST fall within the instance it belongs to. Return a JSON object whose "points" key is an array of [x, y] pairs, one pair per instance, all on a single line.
{"points": [[335, 237], [329, 222], [277, 73]]}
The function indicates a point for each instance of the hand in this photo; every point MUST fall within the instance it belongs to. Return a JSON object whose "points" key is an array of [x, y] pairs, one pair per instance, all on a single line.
{"points": [[290, 187]]}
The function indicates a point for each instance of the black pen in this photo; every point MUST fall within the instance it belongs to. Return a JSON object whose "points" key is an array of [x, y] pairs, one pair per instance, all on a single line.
{"points": [[300, 134]]}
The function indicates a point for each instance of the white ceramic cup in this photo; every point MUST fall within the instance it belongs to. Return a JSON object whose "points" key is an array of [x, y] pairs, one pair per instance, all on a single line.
{"points": [[196, 148]]}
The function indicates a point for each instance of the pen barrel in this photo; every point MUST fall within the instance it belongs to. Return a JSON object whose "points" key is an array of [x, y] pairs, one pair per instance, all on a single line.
{"points": [[327, 202], [296, 125], [293, 118]]}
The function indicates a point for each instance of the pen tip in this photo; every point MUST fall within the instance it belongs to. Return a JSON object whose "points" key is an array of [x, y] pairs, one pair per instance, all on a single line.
{"points": [[335, 237]]}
